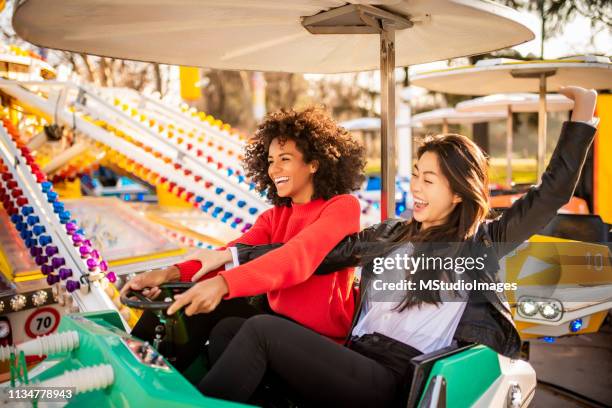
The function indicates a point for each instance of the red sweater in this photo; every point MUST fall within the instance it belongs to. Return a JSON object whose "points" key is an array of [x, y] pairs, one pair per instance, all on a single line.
{"points": [[323, 303]]}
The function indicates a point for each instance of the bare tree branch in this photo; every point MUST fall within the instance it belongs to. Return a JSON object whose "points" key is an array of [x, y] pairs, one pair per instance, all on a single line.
{"points": [[158, 78], [88, 67]]}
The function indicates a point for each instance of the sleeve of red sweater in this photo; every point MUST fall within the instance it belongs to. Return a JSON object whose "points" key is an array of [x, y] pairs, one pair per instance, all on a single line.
{"points": [[299, 257], [259, 234]]}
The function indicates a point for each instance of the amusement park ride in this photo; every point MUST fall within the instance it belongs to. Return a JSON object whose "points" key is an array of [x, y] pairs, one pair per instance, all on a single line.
{"points": [[62, 260]]}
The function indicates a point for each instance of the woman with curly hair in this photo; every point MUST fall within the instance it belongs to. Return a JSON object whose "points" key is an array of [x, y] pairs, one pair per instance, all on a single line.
{"points": [[307, 165]]}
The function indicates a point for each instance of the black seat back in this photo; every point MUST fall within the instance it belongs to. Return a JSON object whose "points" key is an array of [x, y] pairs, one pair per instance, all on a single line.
{"points": [[586, 228]]}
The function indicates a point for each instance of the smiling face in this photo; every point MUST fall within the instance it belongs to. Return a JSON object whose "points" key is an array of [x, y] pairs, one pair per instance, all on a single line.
{"points": [[433, 198], [292, 177]]}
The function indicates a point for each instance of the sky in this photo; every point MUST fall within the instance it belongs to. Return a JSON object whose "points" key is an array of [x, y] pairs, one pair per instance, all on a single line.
{"points": [[576, 38]]}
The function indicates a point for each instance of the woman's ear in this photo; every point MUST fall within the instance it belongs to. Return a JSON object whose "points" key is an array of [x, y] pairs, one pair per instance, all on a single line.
{"points": [[457, 199], [314, 166]]}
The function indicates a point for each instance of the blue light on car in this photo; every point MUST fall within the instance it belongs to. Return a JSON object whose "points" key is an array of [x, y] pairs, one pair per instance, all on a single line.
{"points": [[575, 325], [548, 339]]}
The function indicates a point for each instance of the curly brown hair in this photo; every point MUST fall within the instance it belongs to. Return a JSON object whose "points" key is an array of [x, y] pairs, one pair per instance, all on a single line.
{"points": [[341, 159]]}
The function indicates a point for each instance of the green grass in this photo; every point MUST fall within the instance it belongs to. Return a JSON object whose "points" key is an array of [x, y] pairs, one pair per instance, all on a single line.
{"points": [[523, 170]]}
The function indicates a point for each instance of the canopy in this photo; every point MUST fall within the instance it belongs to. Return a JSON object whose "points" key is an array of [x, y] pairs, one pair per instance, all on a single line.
{"points": [[369, 124], [264, 35], [517, 102], [451, 116], [503, 75]]}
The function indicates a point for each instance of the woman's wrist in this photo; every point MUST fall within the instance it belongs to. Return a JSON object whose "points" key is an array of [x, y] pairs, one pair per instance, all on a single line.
{"points": [[173, 273], [584, 107], [224, 289], [227, 255]]}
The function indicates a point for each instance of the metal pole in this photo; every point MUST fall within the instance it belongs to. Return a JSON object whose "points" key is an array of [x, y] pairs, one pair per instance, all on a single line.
{"points": [[387, 116], [509, 136], [404, 140], [542, 127]]}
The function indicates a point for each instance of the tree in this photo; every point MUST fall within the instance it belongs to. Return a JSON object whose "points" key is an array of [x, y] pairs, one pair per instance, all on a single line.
{"points": [[554, 14], [228, 95]]}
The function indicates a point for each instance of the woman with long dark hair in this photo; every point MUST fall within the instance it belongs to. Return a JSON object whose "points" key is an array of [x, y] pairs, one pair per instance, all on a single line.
{"points": [[450, 189]]}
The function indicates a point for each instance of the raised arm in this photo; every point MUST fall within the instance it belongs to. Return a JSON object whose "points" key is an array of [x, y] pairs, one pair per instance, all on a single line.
{"points": [[538, 206]]}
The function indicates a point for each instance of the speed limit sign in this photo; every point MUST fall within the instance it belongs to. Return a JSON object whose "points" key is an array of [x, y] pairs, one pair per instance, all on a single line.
{"points": [[43, 321]]}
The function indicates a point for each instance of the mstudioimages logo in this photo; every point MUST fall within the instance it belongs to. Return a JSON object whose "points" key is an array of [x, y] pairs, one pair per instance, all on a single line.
{"points": [[441, 285]]}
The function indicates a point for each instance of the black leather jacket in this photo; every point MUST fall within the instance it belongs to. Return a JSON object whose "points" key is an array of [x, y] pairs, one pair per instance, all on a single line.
{"points": [[487, 318]]}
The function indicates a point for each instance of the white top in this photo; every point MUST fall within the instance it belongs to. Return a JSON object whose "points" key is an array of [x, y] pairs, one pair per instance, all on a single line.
{"points": [[427, 328]]}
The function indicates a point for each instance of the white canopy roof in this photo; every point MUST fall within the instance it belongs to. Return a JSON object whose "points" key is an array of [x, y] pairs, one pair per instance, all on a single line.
{"points": [[453, 117], [264, 35], [519, 102], [492, 76], [370, 124]]}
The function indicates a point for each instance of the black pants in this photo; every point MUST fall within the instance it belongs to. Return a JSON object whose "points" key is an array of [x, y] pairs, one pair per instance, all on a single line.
{"points": [[192, 332], [319, 370]]}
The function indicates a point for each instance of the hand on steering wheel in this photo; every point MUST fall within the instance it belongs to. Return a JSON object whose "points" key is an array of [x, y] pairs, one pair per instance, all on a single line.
{"points": [[145, 303], [149, 282]]}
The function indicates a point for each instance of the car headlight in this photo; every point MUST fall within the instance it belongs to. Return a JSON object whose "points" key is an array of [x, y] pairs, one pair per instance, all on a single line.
{"points": [[539, 308], [550, 310], [528, 308]]}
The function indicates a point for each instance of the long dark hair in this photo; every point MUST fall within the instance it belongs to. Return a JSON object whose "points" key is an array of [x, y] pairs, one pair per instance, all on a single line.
{"points": [[465, 167]]}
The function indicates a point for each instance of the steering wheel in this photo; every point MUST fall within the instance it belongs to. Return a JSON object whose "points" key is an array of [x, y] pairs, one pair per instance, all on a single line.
{"points": [[166, 331], [144, 303]]}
